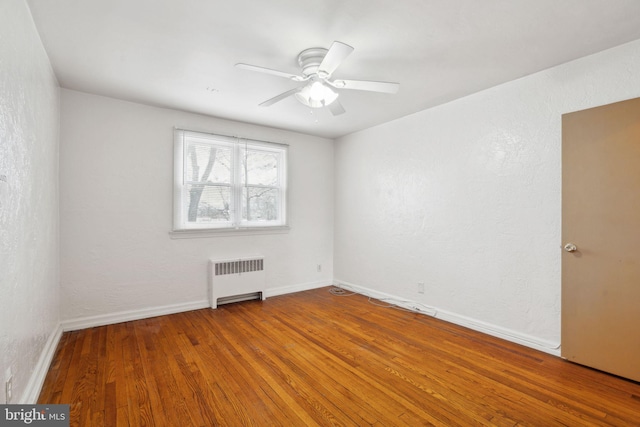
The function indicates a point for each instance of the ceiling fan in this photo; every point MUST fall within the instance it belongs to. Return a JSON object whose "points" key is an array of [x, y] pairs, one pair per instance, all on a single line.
{"points": [[318, 64]]}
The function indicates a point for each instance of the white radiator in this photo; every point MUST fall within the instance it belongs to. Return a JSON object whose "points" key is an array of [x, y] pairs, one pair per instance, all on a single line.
{"points": [[233, 280]]}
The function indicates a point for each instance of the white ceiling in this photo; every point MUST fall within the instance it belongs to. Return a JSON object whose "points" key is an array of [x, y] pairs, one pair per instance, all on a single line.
{"points": [[181, 53]]}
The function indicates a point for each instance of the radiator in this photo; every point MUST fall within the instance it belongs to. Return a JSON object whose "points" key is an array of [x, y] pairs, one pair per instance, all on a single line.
{"points": [[233, 280]]}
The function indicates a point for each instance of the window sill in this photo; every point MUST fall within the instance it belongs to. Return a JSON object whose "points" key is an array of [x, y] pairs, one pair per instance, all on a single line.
{"points": [[225, 232]]}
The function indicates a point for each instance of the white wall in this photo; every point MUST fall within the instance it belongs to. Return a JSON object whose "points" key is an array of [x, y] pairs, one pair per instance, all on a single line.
{"points": [[29, 242], [116, 179], [466, 198]]}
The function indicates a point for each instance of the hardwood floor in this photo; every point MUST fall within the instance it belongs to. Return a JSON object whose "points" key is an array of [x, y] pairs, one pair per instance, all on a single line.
{"points": [[313, 358]]}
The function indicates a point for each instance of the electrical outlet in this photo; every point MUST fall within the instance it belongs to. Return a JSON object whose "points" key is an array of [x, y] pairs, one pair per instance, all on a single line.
{"points": [[8, 387], [421, 287]]}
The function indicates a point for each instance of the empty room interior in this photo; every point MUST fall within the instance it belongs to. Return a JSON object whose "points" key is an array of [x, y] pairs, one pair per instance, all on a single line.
{"points": [[339, 212]]}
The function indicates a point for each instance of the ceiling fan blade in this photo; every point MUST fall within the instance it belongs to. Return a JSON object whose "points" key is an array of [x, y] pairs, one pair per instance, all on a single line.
{"points": [[334, 57], [385, 87], [280, 97], [336, 108], [272, 72]]}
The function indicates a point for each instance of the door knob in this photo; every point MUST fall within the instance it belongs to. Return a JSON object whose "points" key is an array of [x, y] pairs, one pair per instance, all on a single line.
{"points": [[570, 247]]}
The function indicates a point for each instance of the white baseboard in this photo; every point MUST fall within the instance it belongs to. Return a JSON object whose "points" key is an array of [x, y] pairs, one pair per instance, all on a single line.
{"points": [[283, 290], [34, 386], [468, 322], [126, 316]]}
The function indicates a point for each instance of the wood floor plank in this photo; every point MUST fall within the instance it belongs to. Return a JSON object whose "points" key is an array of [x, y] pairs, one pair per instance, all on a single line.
{"points": [[313, 367], [318, 359], [218, 352], [59, 366], [382, 354], [375, 378], [279, 388], [302, 376]]}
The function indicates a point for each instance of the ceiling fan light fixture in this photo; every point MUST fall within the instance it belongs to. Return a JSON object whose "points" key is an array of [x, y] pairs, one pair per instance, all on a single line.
{"points": [[316, 95]]}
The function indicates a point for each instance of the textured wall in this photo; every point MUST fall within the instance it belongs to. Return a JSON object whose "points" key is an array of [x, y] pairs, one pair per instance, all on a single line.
{"points": [[116, 178], [466, 196], [29, 262]]}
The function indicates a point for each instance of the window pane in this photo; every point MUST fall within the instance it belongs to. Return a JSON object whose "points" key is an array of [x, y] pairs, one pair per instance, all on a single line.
{"points": [[259, 167], [207, 204], [207, 163], [223, 182], [260, 204]]}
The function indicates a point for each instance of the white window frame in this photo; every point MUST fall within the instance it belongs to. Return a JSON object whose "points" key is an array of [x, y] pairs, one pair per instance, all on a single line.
{"points": [[183, 228]]}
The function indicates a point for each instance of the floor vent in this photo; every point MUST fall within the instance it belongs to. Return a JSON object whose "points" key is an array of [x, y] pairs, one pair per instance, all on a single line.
{"points": [[234, 280]]}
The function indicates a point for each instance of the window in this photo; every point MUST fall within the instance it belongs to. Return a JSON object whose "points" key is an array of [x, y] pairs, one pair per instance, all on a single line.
{"points": [[229, 183]]}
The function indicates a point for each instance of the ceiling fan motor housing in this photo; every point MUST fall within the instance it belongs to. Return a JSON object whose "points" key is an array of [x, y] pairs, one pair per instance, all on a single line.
{"points": [[310, 59]]}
